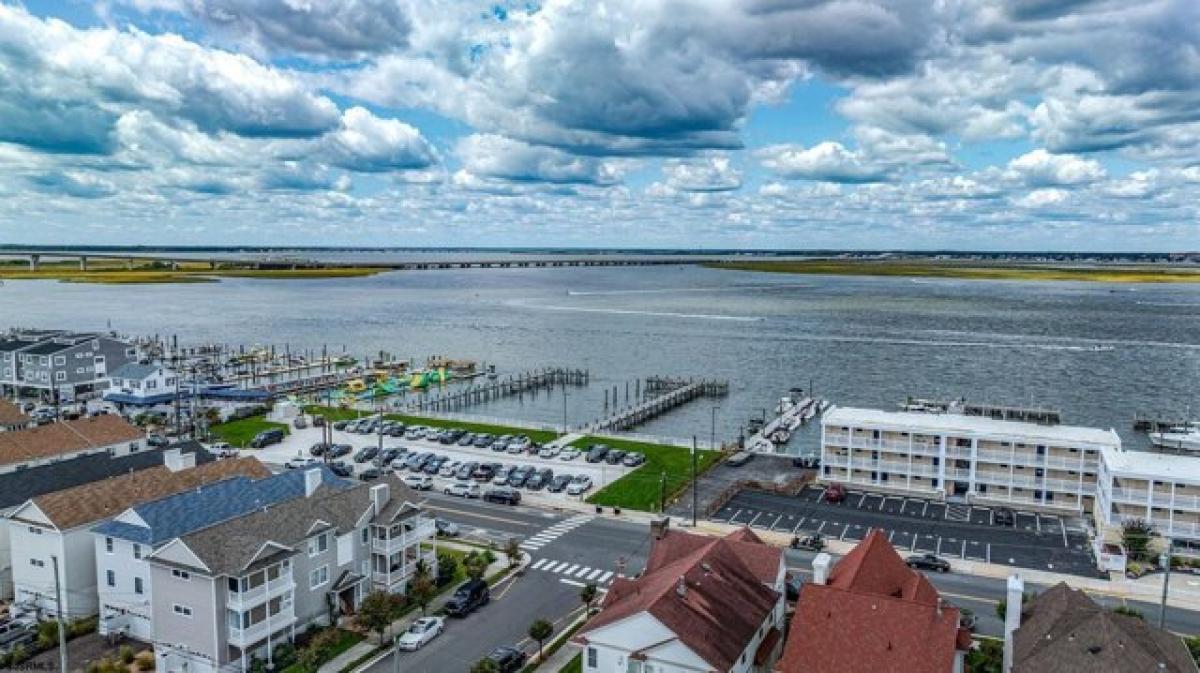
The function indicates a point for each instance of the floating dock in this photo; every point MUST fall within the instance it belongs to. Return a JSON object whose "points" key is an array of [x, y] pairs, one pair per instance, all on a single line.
{"points": [[521, 384], [792, 416], [672, 393], [1042, 415]]}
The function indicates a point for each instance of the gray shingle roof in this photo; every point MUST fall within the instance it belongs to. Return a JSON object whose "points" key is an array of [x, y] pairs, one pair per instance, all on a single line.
{"points": [[185, 512], [229, 548], [21, 485], [135, 370]]}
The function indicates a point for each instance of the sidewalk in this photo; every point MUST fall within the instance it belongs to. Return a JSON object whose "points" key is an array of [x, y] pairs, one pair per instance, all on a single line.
{"points": [[372, 642]]}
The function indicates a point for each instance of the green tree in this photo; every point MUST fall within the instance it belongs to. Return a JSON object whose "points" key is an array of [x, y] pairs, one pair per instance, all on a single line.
{"points": [[588, 595], [485, 665], [375, 613], [476, 565], [447, 569], [421, 591], [1135, 536], [1128, 611], [1193, 645], [988, 657], [540, 630], [1002, 604], [512, 549]]}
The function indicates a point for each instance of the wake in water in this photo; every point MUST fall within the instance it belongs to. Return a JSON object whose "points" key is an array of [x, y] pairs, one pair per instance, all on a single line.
{"points": [[676, 290], [621, 311]]}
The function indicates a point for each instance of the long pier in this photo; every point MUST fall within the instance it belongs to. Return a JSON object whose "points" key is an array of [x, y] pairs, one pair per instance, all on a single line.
{"points": [[530, 382], [675, 395]]}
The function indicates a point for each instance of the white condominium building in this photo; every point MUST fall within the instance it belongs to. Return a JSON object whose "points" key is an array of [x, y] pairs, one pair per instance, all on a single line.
{"points": [[939, 455], [1159, 488]]}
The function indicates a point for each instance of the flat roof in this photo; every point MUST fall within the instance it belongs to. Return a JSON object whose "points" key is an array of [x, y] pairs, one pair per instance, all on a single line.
{"points": [[1153, 465], [958, 424]]}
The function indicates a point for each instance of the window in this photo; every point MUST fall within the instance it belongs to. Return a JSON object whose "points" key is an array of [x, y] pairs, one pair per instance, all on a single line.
{"points": [[318, 577], [137, 551], [181, 574], [137, 586], [60, 376], [366, 535], [37, 563], [318, 545], [35, 530], [60, 360], [591, 657], [181, 610], [108, 545], [43, 360], [110, 578]]}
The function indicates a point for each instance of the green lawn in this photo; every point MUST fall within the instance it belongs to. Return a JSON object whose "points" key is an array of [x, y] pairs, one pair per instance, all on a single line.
{"points": [[539, 436], [575, 665], [346, 640], [240, 432], [641, 488]]}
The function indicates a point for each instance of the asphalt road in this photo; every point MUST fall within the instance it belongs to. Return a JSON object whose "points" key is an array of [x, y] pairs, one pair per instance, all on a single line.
{"points": [[566, 549]]}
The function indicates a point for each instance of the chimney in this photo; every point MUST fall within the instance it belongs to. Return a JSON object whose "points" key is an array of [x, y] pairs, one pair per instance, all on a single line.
{"points": [[681, 587], [177, 460], [312, 481], [380, 494], [821, 566], [1012, 617]]}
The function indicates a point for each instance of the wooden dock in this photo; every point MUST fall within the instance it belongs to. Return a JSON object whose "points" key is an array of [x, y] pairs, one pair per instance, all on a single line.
{"points": [[672, 393], [531, 383], [1042, 415]]}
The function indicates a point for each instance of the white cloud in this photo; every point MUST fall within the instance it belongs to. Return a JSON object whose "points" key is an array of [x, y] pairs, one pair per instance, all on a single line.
{"points": [[1043, 198], [1040, 168], [827, 161], [492, 156], [370, 144], [710, 174]]}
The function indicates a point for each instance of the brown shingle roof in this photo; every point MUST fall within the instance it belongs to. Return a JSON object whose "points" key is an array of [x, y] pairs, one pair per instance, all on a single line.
{"points": [[89, 503], [721, 606], [10, 414], [1065, 631], [65, 437], [874, 614]]}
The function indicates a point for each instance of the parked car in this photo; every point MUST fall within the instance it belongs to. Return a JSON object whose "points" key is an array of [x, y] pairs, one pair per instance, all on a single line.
{"points": [[418, 482], [366, 453], [501, 476], [23, 638], [396, 430], [508, 659], [928, 562], [597, 453], [449, 468], [341, 469], [568, 454], [340, 425], [318, 421], [482, 441], [792, 585], [549, 452], [519, 476], [485, 472], [158, 441], [633, 459], [540, 479], [513, 449], [386, 456], [559, 483], [1004, 516], [463, 489], [318, 449], [420, 632], [266, 438], [446, 528], [434, 465], [299, 463], [614, 456], [465, 470], [500, 443], [579, 485], [370, 474], [300, 422], [339, 450], [835, 494], [503, 495], [739, 459], [468, 597]]}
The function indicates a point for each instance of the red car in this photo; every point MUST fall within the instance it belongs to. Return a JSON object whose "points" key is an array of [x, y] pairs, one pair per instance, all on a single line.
{"points": [[835, 494]]}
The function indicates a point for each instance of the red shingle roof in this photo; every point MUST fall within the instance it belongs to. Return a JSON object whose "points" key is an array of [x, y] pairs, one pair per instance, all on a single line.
{"points": [[723, 600], [11, 415], [65, 437], [874, 614]]}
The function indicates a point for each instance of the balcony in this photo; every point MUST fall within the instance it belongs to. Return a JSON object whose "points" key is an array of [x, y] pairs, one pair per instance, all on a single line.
{"points": [[242, 638], [397, 574], [244, 600], [402, 539], [1164, 527], [1189, 503]]}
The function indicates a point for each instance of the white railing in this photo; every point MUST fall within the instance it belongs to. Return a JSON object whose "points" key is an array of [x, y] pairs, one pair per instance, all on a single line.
{"points": [[1004, 478], [402, 539], [1166, 527], [243, 637], [1157, 499], [393, 577], [837, 438], [238, 600]]}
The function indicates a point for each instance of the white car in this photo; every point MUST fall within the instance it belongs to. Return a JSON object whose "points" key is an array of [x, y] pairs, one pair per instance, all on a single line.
{"points": [[300, 463], [548, 452], [464, 489], [501, 477], [449, 468], [579, 485], [422, 631], [419, 482], [568, 454]]}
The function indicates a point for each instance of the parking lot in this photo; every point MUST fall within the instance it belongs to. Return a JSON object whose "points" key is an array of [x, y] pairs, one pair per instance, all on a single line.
{"points": [[916, 525], [298, 443]]}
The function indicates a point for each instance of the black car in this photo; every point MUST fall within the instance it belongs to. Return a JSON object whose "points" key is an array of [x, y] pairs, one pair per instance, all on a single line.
{"points": [[339, 450], [614, 456], [267, 438], [597, 453], [482, 441], [508, 659], [466, 439], [157, 441], [928, 562], [340, 425], [370, 474], [387, 456], [318, 449], [433, 465], [366, 453], [485, 472], [792, 587], [468, 597], [559, 483], [519, 476], [540, 479], [633, 459], [1004, 516], [503, 496], [341, 469], [396, 430]]}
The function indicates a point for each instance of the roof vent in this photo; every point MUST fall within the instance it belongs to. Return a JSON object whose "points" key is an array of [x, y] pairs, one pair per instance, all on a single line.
{"points": [[681, 587], [1094, 649]]}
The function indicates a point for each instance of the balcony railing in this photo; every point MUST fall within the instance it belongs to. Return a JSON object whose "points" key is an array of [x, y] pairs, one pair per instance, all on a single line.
{"points": [[245, 637], [1165, 527], [1189, 503], [240, 600], [405, 538], [399, 573]]}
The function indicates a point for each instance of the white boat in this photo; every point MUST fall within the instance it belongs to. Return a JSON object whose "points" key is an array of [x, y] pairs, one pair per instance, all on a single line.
{"points": [[1185, 439]]}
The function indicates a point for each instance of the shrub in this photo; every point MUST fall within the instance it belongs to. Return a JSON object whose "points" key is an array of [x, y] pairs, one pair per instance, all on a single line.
{"points": [[144, 661], [1128, 611], [47, 635], [125, 654], [1135, 536], [447, 568]]}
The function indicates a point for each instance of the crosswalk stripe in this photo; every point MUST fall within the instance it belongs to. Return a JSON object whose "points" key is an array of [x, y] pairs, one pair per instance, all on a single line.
{"points": [[539, 564], [594, 574], [570, 570], [583, 571], [604, 578], [550, 567]]}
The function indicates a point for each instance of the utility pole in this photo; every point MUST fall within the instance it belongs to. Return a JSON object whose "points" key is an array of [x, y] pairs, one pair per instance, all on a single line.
{"points": [[1165, 559], [694, 479], [62, 623], [712, 433], [396, 653], [564, 409], [662, 491]]}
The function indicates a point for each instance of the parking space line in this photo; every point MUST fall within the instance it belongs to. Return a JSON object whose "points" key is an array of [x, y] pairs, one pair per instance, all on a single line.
{"points": [[583, 572], [890, 534], [754, 519], [801, 523], [822, 526], [777, 522], [861, 499], [989, 552], [939, 546], [1064, 534], [735, 514], [925, 508], [914, 544], [964, 550], [570, 570], [594, 574], [1038, 520], [550, 567], [843, 535]]}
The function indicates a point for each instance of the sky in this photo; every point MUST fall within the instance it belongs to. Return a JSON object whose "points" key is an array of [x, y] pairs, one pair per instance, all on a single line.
{"points": [[871, 124]]}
